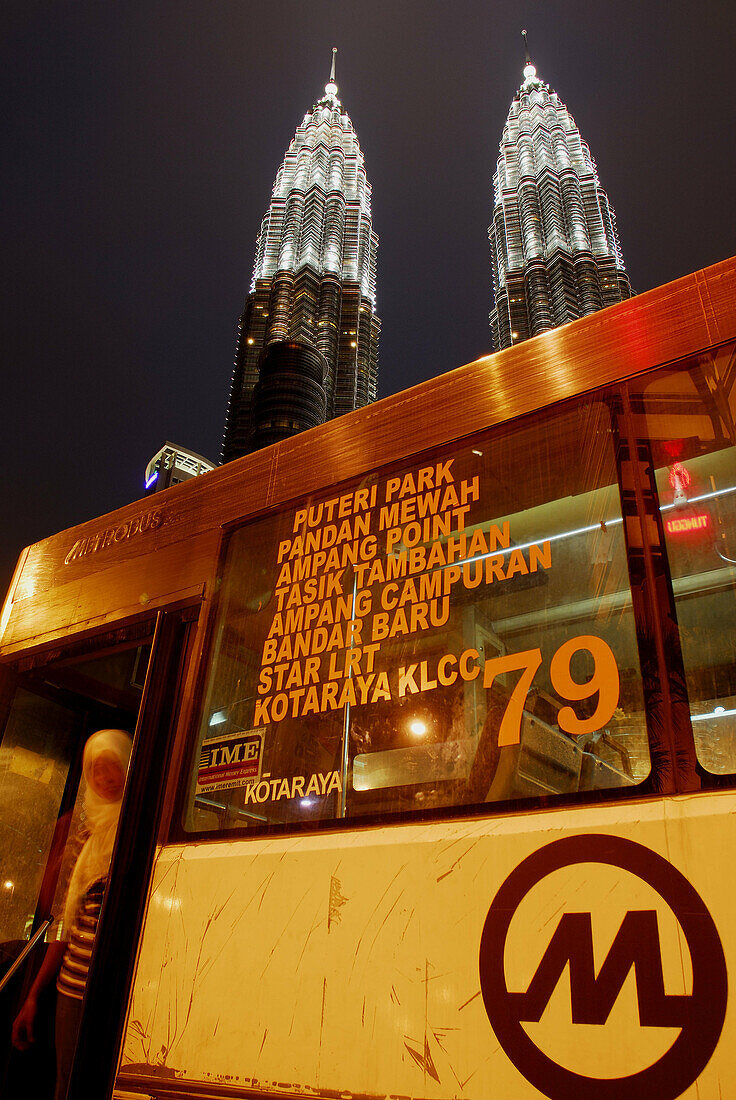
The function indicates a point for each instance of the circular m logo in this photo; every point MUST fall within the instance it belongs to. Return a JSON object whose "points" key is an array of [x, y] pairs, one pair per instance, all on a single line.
{"points": [[538, 927]]}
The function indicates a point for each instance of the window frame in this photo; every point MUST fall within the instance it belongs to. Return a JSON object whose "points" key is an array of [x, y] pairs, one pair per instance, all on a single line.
{"points": [[653, 786]]}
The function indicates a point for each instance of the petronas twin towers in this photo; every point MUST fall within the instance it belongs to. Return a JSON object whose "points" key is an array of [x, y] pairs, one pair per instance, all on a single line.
{"points": [[307, 346], [308, 337], [555, 250]]}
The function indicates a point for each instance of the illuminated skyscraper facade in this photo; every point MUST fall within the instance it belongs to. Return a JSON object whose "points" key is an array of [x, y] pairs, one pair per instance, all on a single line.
{"points": [[555, 250], [314, 279]]}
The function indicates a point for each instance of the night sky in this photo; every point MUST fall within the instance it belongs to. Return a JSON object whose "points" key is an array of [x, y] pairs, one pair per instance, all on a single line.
{"points": [[141, 141]]}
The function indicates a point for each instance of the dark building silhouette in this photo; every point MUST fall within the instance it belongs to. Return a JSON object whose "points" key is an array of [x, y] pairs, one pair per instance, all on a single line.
{"points": [[314, 279], [554, 244], [289, 395]]}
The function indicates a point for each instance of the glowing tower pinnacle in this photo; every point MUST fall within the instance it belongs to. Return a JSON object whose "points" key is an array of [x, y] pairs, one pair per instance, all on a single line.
{"points": [[314, 278], [555, 250]]}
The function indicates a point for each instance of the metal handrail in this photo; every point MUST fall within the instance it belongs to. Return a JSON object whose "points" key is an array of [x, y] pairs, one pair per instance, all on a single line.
{"points": [[24, 953]]}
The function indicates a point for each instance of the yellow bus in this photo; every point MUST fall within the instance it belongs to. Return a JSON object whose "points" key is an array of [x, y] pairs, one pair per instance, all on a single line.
{"points": [[433, 712]]}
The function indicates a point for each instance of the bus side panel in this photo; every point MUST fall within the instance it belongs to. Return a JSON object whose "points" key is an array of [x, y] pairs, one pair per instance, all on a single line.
{"points": [[349, 962]]}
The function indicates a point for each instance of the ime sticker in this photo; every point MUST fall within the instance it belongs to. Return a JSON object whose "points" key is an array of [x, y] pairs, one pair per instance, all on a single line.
{"points": [[231, 760]]}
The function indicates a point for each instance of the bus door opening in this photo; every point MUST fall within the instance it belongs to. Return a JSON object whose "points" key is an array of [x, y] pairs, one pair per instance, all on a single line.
{"points": [[55, 820]]}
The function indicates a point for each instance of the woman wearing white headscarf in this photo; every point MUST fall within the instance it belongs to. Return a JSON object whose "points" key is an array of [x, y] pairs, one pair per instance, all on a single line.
{"points": [[105, 764]]}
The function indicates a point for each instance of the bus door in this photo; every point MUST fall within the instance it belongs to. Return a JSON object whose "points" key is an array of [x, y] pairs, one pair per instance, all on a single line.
{"points": [[50, 708]]}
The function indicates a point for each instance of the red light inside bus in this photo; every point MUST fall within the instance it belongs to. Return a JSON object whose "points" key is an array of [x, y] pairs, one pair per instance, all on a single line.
{"points": [[679, 477], [681, 525]]}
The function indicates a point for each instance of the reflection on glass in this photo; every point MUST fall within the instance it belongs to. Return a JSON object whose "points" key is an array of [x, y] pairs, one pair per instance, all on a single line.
{"points": [[35, 755], [51, 710], [687, 416], [453, 632], [57, 831]]}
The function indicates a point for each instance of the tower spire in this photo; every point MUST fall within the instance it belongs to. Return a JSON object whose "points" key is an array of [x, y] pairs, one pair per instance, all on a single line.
{"points": [[530, 73], [331, 86]]}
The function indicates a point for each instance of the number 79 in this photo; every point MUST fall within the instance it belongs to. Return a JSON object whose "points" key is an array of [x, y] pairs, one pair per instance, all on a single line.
{"points": [[605, 681]]}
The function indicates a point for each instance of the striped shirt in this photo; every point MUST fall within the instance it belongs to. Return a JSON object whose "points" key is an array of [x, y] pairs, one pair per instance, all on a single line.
{"points": [[72, 978]]}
